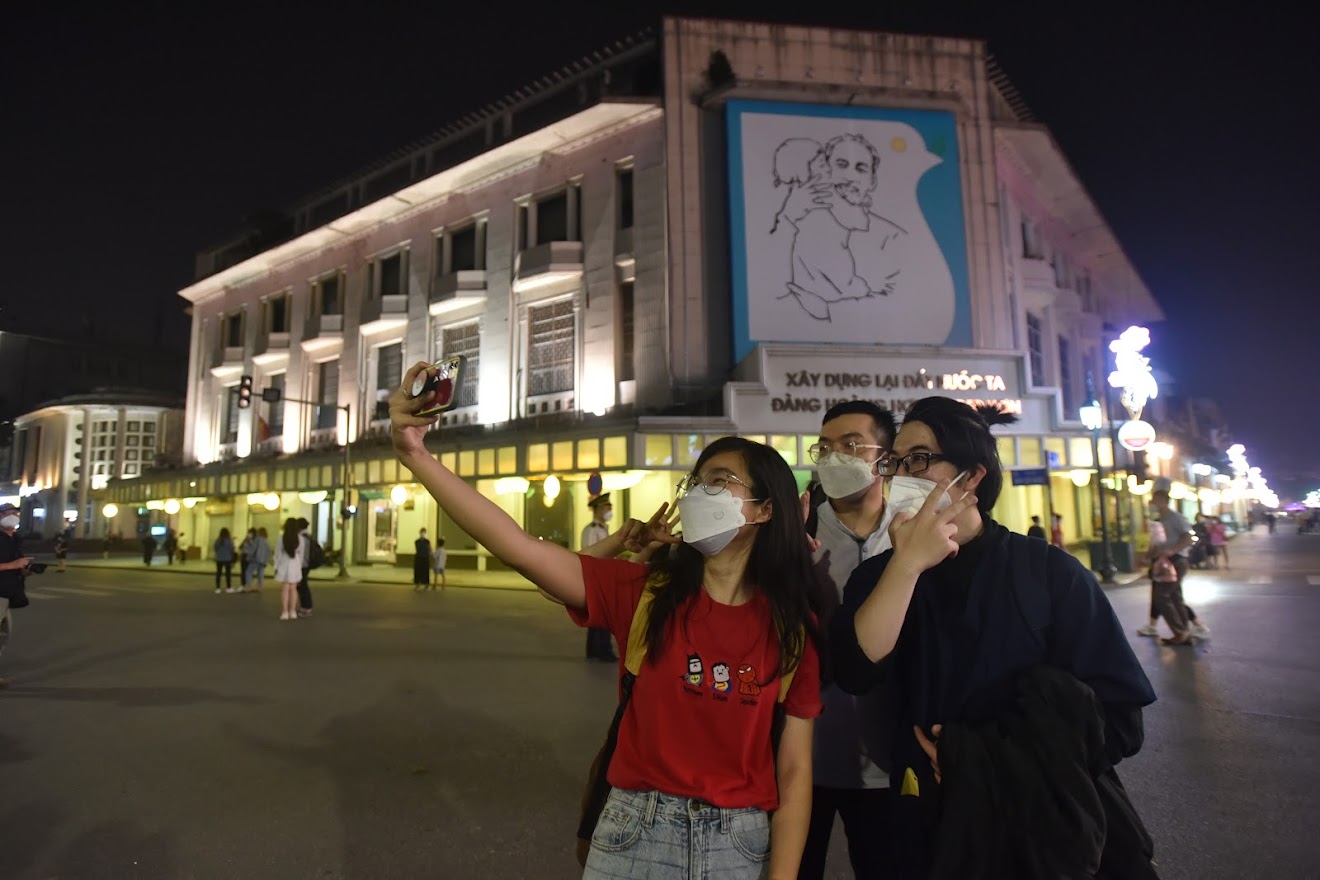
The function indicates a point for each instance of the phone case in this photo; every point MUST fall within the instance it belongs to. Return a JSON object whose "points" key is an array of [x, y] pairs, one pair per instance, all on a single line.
{"points": [[445, 382]]}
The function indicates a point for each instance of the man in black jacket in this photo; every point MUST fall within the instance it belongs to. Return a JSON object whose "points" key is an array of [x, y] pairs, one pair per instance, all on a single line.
{"points": [[13, 565]]}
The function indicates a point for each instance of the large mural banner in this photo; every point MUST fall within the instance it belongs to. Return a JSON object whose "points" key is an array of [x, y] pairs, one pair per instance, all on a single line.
{"points": [[847, 226]]}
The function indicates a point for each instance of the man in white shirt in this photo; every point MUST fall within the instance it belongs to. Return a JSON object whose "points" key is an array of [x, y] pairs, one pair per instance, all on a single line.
{"points": [[852, 525], [1177, 544]]}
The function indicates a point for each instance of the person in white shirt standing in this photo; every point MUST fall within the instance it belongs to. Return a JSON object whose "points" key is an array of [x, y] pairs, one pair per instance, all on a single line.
{"points": [[850, 525]]}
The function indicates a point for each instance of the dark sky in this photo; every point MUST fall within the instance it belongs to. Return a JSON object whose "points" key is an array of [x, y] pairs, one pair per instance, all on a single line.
{"points": [[132, 139]]}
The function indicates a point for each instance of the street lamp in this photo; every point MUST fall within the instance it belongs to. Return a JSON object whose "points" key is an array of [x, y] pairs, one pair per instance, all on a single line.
{"points": [[1091, 417]]}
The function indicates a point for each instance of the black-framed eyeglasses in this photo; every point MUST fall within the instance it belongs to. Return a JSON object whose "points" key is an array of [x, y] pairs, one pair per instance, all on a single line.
{"points": [[914, 463], [711, 484], [817, 451]]}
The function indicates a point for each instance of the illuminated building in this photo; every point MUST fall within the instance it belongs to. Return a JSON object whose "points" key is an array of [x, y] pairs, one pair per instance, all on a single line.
{"points": [[623, 252]]}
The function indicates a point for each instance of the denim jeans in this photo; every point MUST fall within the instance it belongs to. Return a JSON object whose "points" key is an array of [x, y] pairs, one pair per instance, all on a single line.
{"points": [[646, 834], [257, 571]]}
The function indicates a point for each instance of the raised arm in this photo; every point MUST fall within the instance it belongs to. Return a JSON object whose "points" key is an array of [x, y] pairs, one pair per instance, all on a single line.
{"points": [[553, 569], [921, 542]]}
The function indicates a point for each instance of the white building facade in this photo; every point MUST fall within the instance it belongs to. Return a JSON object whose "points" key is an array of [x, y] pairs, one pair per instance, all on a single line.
{"points": [[635, 265]]}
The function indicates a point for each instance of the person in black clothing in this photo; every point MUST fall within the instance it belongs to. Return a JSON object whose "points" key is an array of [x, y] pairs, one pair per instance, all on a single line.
{"points": [[422, 561], [13, 572], [148, 548], [1037, 530], [951, 619], [304, 590]]}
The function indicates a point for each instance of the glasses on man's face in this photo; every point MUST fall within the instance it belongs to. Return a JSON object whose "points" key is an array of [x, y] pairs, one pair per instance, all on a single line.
{"points": [[712, 484], [817, 451], [914, 463]]}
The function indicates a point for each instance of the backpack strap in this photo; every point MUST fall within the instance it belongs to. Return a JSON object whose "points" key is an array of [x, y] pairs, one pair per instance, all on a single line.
{"points": [[634, 653]]}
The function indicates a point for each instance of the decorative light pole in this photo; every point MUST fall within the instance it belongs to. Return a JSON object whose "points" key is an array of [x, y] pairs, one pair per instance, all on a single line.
{"points": [[1091, 416]]}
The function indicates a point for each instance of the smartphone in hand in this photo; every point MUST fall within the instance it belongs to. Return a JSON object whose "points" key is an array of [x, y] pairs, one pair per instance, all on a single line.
{"points": [[441, 377]]}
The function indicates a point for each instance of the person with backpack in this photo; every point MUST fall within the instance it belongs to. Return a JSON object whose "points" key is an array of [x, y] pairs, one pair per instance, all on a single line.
{"points": [[290, 566], [849, 525], [313, 557], [697, 785], [1010, 681]]}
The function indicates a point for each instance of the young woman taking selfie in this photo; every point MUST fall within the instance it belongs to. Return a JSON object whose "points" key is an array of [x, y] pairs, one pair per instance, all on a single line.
{"points": [[696, 784]]}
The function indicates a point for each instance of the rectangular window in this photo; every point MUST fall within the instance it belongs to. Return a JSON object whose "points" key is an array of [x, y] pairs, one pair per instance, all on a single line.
{"points": [[552, 219], [624, 188], [234, 330], [387, 276], [327, 394], [1062, 276], [275, 411], [327, 295], [465, 339], [465, 254], [277, 314], [550, 343], [1065, 379], [626, 337], [1036, 349], [389, 373], [229, 428], [1032, 248]]}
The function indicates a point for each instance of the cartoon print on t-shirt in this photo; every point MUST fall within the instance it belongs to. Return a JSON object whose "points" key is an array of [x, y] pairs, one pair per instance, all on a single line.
{"points": [[747, 685], [695, 671], [720, 673]]}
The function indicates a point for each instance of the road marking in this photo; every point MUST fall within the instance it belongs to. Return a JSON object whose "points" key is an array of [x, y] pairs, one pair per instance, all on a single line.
{"points": [[79, 591], [1260, 580], [34, 595], [1313, 580]]}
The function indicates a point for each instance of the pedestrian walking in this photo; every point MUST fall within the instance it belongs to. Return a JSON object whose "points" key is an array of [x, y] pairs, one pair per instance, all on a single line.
{"points": [[441, 555], [304, 588], [61, 549], [290, 567], [13, 575], [1010, 681], [258, 558], [223, 553], [148, 549], [1219, 540], [1176, 545], [694, 775], [599, 644], [1056, 531], [181, 548], [849, 525], [244, 555], [421, 561], [170, 544]]}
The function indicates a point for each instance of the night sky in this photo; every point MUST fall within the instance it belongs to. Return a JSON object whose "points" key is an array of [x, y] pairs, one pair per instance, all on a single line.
{"points": [[132, 140]]}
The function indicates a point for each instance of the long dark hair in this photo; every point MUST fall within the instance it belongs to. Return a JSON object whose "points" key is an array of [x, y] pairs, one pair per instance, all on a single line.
{"points": [[778, 568], [291, 537], [964, 437]]}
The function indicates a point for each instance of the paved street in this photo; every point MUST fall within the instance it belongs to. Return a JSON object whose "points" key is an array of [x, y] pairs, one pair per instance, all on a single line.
{"points": [[156, 730]]}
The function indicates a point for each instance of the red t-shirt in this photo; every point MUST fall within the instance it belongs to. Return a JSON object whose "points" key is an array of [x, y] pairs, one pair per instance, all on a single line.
{"points": [[699, 722]]}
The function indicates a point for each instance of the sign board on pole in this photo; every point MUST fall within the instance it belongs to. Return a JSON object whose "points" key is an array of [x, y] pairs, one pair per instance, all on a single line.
{"points": [[1030, 476], [1136, 435]]}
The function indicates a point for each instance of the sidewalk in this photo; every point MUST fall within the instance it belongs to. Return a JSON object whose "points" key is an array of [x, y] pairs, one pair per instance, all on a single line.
{"points": [[329, 574]]}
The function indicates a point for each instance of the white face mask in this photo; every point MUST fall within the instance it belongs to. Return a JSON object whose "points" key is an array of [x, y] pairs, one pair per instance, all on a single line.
{"points": [[843, 476], [607, 516], [9, 522], [907, 494], [710, 522]]}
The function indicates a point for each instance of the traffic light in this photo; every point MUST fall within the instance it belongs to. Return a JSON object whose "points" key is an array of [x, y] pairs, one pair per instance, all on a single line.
{"points": [[245, 392]]}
